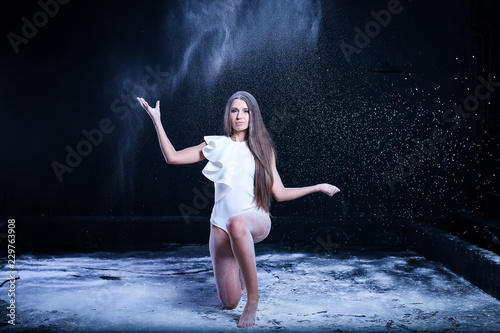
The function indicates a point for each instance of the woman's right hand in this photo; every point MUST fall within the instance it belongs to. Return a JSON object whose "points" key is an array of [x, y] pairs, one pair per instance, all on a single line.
{"points": [[328, 189], [154, 113]]}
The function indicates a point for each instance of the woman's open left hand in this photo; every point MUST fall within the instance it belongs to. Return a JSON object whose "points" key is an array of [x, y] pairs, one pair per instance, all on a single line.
{"points": [[328, 189]]}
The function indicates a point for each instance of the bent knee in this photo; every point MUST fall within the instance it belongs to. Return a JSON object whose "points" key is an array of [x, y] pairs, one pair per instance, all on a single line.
{"points": [[232, 304], [237, 227], [230, 301]]}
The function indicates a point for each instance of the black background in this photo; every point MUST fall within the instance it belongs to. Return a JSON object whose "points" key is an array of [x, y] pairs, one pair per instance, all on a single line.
{"points": [[332, 120]]}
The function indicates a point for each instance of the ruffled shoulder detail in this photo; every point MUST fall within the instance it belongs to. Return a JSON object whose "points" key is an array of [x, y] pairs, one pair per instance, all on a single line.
{"points": [[219, 152]]}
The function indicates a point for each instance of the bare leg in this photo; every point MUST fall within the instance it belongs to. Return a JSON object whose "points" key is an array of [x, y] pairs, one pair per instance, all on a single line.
{"points": [[245, 229], [242, 283], [226, 270]]}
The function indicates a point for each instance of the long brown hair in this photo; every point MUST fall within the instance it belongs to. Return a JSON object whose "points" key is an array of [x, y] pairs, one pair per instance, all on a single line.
{"points": [[261, 146]]}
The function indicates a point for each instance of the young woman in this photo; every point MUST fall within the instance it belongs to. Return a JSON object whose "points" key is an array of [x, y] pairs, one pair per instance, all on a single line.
{"points": [[242, 166]]}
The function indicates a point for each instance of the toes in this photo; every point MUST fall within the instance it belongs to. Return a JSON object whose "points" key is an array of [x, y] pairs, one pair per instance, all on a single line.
{"points": [[246, 325]]}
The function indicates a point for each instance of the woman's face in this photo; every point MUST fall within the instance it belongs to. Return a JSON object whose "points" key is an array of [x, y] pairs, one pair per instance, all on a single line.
{"points": [[240, 116]]}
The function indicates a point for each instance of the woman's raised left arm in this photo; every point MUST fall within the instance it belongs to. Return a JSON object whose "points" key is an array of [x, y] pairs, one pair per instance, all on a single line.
{"points": [[282, 193]]}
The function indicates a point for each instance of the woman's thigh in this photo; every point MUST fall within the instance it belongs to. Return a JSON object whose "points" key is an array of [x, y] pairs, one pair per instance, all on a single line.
{"points": [[257, 222]]}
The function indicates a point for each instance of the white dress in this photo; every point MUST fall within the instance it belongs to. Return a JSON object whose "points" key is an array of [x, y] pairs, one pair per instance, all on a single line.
{"points": [[231, 166]]}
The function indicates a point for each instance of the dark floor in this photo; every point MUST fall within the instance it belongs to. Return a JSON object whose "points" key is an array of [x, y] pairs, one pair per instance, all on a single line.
{"points": [[353, 290]]}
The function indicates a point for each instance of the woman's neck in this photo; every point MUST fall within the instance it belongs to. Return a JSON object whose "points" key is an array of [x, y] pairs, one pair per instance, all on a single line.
{"points": [[239, 136]]}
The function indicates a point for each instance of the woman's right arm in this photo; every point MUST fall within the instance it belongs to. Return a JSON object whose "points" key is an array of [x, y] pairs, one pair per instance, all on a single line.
{"points": [[186, 156]]}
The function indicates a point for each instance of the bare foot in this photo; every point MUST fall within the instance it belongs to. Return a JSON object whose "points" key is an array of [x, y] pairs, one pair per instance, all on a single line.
{"points": [[243, 286], [247, 319]]}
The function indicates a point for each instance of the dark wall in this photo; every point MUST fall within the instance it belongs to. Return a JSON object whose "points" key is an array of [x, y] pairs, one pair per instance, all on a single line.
{"points": [[355, 121]]}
